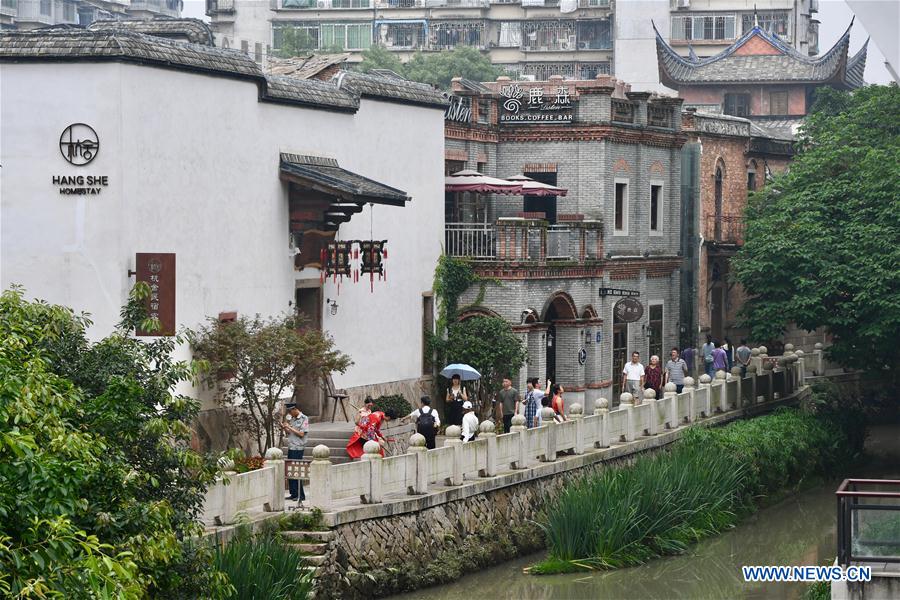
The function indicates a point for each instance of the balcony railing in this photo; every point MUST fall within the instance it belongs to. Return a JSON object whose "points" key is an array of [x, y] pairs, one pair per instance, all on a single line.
{"points": [[524, 240], [724, 229], [867, 521]]}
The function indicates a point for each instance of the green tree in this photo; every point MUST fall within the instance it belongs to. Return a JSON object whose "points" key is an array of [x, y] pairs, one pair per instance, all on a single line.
{"points": [[489, 345], [823, 239], [262, 360], [296, 42], [99, 489], [378, 57], [439, 68]]}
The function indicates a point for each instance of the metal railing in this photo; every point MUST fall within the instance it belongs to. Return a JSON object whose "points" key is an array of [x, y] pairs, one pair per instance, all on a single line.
{"points": [[868, 521], [474, 240], [518, 240], [724, 229]]}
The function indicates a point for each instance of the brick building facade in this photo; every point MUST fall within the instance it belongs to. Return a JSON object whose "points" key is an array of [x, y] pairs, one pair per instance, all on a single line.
{"points": [[618, 155], [733, 158]]}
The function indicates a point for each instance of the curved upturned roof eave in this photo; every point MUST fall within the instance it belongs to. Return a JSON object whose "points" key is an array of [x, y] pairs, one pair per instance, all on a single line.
{"points": [[674, 68]]}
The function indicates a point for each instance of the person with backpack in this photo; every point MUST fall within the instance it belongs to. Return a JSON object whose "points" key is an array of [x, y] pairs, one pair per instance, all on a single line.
{"points": [[427, 421], [708, 357]]}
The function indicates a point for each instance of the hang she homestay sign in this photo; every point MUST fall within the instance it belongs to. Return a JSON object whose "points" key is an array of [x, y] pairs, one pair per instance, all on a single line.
{"points": [[157, 270]]}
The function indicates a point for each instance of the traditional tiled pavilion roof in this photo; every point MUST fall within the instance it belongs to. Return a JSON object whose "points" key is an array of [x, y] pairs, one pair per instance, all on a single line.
{"points": [[761, 57], [305, 67], [328, 176], [126, 45]]}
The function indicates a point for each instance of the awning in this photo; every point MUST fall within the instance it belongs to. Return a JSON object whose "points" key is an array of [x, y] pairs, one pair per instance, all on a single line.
{"points": [[326, 176], [530, 187], [473, 181]]}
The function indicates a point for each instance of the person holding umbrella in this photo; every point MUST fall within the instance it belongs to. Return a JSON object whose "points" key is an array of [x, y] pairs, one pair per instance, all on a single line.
{"points": [[456, 393], [456, 397]]}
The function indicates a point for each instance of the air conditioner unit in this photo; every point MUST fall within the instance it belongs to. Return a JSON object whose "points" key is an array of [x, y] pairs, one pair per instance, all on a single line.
{"points": [[573, 42], [684, 3]]}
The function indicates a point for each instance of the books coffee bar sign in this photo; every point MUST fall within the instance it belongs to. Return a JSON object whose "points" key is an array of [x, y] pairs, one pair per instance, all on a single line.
{"points": [[535, 105]]}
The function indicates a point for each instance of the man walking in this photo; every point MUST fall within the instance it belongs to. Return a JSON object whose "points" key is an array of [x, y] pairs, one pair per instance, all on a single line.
{"points": [[720, 360], [676, 369], [708, 358], [509, 403], [633, 378], [296, 426], [742, 354]]}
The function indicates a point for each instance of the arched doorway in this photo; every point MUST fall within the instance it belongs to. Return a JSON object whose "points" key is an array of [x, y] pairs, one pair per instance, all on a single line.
{"points": [[561, 307]]}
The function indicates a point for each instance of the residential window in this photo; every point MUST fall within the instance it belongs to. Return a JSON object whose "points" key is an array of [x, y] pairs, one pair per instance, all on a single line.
{"points": [[621, 209], [591, 70], [777, 22], [594, 35], [703, 27], [656, 209], [453, 166], [737, 105], [69, 11], [298, 34], [484, 111], [402, 35], [13, 4], [751, 177], [510, 34], [346, 36], [655, 328], [298, 4], [778, 103], [427, 333], [351, 4], [46, 7], [450, 34], [549, 35]]}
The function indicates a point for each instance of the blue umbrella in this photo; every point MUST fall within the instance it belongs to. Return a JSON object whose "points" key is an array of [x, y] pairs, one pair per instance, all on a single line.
{"points": [[465, 372]]}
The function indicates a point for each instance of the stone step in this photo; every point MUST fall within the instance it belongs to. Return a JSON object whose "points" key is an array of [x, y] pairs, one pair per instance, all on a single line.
{"points": [[310, 547], [345, 435], [314, 560], [320, 536]]}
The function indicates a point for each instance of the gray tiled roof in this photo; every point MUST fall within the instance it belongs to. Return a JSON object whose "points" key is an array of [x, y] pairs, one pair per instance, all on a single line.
{"points": [[126, 45], [856, 67], [730, 67], [374, 86], [304, 67], [778, 128], [326, 173], [191, 30]]}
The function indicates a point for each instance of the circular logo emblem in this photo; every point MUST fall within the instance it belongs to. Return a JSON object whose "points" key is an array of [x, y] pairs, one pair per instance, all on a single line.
{"points": [[79, 144], [155, 265], [628, 310], [582, 356]]}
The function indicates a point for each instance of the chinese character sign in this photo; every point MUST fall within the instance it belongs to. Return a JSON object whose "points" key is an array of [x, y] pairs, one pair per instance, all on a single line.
{"points": [[532, 105], [157, 270]]}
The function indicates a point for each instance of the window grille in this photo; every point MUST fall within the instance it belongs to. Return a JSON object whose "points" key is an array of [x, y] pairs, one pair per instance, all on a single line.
{"points": [[549, 35], [622, 111], [450, 34]]}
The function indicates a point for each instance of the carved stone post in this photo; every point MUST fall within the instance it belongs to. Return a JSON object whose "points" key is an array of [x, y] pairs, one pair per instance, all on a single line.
{"points": [[548, 421], [601, 408], [689, 389], [372, 455], [650, 401], [671, 398], [518, 428], [275, 458], [576, 413], [418, 449], [319, 493], [456, 475], [487, 430]]}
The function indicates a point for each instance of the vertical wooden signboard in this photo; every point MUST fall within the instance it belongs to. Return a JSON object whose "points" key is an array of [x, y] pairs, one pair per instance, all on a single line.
{"points": [[158, 271]]}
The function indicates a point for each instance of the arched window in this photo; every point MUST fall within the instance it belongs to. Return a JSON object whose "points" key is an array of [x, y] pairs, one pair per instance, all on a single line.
{"points": [[718, 199]]}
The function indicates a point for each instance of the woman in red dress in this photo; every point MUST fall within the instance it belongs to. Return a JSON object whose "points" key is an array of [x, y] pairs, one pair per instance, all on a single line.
{"points": [[369, 428]]}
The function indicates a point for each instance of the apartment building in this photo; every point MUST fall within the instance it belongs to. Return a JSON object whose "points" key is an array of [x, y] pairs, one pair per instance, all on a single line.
{"points": [[34, 14], [535, 38]]}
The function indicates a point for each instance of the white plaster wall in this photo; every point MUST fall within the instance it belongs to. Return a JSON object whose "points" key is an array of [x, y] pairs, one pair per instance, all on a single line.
{"points": [[635, 42], [193, 167]]}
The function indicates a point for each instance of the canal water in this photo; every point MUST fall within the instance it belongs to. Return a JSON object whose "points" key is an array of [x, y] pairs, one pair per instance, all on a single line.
{"points": [[797, 531]]}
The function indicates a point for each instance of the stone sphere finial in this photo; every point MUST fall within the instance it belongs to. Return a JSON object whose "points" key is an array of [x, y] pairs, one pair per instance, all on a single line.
{"points": [[371, 449], [754, 352], [321, 452], [763, 350], [721, 374], [818, 346], [649, 394], [788, 348], [548, 415], [274, 453], [576, 409], [453, 432], [417, 440], [603, 403], [670, 387], [736, 371], [799, 353], [625, 398], [518, 420], [487, 426], [751, 369], [705, 379], [782, 360], [689, 382], [225, 463]]}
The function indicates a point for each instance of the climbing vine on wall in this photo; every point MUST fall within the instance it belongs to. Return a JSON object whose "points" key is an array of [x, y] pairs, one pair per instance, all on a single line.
{"points": [[452, 277]]}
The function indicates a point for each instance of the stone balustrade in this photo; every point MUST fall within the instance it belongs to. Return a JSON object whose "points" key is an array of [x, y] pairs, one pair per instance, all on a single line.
{"points": [[422, 471], [234, 493]]}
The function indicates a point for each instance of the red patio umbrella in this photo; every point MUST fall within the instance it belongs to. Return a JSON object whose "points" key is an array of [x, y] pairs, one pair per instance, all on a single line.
{"points": [[530, 187]]}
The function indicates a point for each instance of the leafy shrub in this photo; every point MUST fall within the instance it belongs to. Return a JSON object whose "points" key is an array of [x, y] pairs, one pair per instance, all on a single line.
{"points": [[396, 401], [263, 568]]}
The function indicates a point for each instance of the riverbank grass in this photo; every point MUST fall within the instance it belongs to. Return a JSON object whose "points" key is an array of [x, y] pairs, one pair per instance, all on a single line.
{"points": [[709, 480]]}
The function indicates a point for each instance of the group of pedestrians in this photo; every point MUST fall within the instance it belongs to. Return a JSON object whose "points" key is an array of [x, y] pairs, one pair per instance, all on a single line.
{"points": [[636, 377], [723, 356]]}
